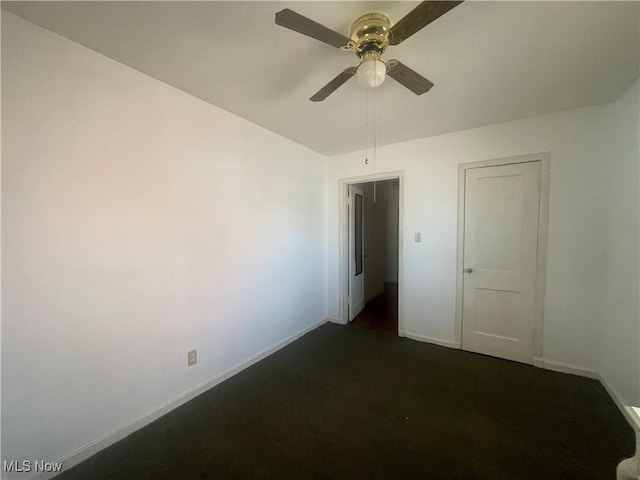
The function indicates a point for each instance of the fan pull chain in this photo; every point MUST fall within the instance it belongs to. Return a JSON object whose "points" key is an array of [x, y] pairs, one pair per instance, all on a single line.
{"points": [[374, 144], [366, 126]]}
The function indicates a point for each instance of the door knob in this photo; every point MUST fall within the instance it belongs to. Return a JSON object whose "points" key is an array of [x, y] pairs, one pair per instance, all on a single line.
{"points": [[468, 270]]}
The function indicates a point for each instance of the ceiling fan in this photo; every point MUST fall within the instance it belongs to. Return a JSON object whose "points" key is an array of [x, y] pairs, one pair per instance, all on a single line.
{"points": [[370, 35]]}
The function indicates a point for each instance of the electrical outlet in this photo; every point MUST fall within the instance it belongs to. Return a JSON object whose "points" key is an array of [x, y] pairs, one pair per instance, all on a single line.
{"points": [[192, 358], [418, 237]]}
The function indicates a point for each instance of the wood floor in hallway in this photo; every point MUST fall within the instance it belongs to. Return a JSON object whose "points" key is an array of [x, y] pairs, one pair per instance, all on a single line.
{"points": [[381, 313]]}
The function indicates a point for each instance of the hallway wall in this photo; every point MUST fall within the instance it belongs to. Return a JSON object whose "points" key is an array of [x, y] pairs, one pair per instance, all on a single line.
{"points": [[380, 236], [374, 241]]}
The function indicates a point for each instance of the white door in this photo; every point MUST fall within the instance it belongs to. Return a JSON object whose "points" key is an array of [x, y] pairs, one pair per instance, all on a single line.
{"points": [[356, 253], [500, 255]]}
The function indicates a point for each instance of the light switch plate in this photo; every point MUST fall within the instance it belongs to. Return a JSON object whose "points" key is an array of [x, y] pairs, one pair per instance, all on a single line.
{"points": [[418, 237], [192, 357]]}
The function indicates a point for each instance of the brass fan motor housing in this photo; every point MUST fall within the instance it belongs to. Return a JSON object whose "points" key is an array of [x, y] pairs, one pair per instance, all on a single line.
{"points": [[370, 33]]}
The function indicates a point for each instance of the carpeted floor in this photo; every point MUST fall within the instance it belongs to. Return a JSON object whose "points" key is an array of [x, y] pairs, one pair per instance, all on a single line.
{"points": [[350, 402]]}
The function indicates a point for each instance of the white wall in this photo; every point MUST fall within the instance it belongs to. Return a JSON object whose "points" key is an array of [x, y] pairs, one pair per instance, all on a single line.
{"points": [[620, 318], [138, 223], [578, 241]]}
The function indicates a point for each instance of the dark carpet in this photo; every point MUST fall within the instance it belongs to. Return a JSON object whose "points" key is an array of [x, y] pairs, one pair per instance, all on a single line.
{"points": [[349, 402]]}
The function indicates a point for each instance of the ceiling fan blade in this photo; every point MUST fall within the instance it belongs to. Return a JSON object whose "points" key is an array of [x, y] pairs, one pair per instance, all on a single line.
{"points": [[333, 85], [294, 21], [407, 77], [418, 18]]}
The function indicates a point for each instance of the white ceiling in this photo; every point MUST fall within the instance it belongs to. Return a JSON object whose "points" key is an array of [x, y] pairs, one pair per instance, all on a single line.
{"points": [[491, 62]]}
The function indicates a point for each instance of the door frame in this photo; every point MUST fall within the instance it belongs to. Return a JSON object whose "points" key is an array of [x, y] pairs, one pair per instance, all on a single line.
{"points": [[541, 265], [343, 238]]}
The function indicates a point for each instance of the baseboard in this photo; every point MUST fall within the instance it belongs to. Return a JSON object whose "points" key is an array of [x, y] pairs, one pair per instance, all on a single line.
{"points": [[566, 368], [94, 447], [618, 401], [435, 341]]}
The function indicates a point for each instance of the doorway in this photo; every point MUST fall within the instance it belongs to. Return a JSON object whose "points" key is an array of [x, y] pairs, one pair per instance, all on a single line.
{"points": [[502, 245], [370, 252]]}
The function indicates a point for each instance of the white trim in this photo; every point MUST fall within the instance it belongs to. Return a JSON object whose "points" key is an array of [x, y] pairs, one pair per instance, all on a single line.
{"points": [[460, 255], [629, 416], [634, 415], [435, 341], [538, 362], [101, 443], [543, 219], [566, 368], [583, 372], [343, 274], [105, 441], [333, 320], [541, 267]]}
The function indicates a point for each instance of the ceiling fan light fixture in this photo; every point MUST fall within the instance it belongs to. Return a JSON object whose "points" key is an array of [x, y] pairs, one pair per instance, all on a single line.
{"points": [[371, 72], [370, 35]]}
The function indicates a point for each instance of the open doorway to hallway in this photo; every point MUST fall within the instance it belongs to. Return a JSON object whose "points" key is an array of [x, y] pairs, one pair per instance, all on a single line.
{"points": [[373, 254]]}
